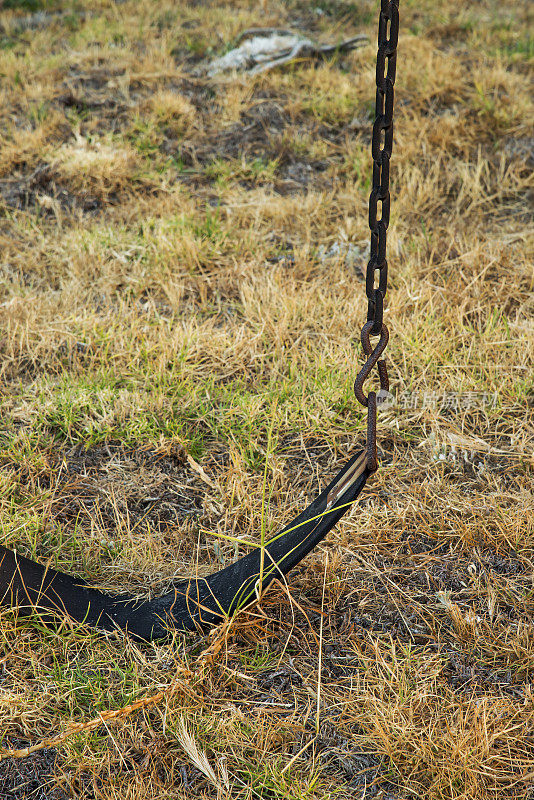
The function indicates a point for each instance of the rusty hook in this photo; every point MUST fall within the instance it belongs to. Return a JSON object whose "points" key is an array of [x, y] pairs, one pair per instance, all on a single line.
{"points": [[373, 358]]}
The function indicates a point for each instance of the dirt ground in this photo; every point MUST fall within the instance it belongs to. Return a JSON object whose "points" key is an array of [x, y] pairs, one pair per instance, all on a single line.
{"points": [[181, 293]]}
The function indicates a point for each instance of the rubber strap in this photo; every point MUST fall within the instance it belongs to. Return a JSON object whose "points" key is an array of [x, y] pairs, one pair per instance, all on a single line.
{"points": [[195, 604]]}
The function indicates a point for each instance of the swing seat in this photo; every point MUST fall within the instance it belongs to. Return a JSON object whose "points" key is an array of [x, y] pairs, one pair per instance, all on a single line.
{"points": [[194, 604]]}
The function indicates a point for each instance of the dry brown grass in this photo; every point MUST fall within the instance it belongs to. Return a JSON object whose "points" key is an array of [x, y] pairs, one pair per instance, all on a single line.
{"points": [[165, 302]]}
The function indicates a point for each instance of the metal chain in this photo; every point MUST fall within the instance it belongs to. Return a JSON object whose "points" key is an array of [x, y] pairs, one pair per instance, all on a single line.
{"points": [[379, 200]]}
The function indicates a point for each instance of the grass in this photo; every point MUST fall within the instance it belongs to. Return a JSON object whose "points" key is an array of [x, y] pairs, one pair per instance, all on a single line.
{"points": [[164, 294]]}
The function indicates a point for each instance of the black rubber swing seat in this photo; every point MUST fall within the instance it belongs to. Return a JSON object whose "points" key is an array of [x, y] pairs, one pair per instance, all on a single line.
{"points": [[194, 604]]}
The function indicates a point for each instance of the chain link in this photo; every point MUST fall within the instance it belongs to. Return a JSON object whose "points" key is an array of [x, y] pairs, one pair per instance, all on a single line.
{"points": [[379, 212]]}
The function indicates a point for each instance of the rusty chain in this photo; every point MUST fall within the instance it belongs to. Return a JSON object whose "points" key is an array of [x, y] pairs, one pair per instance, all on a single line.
{"points": [[379, 201]]}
